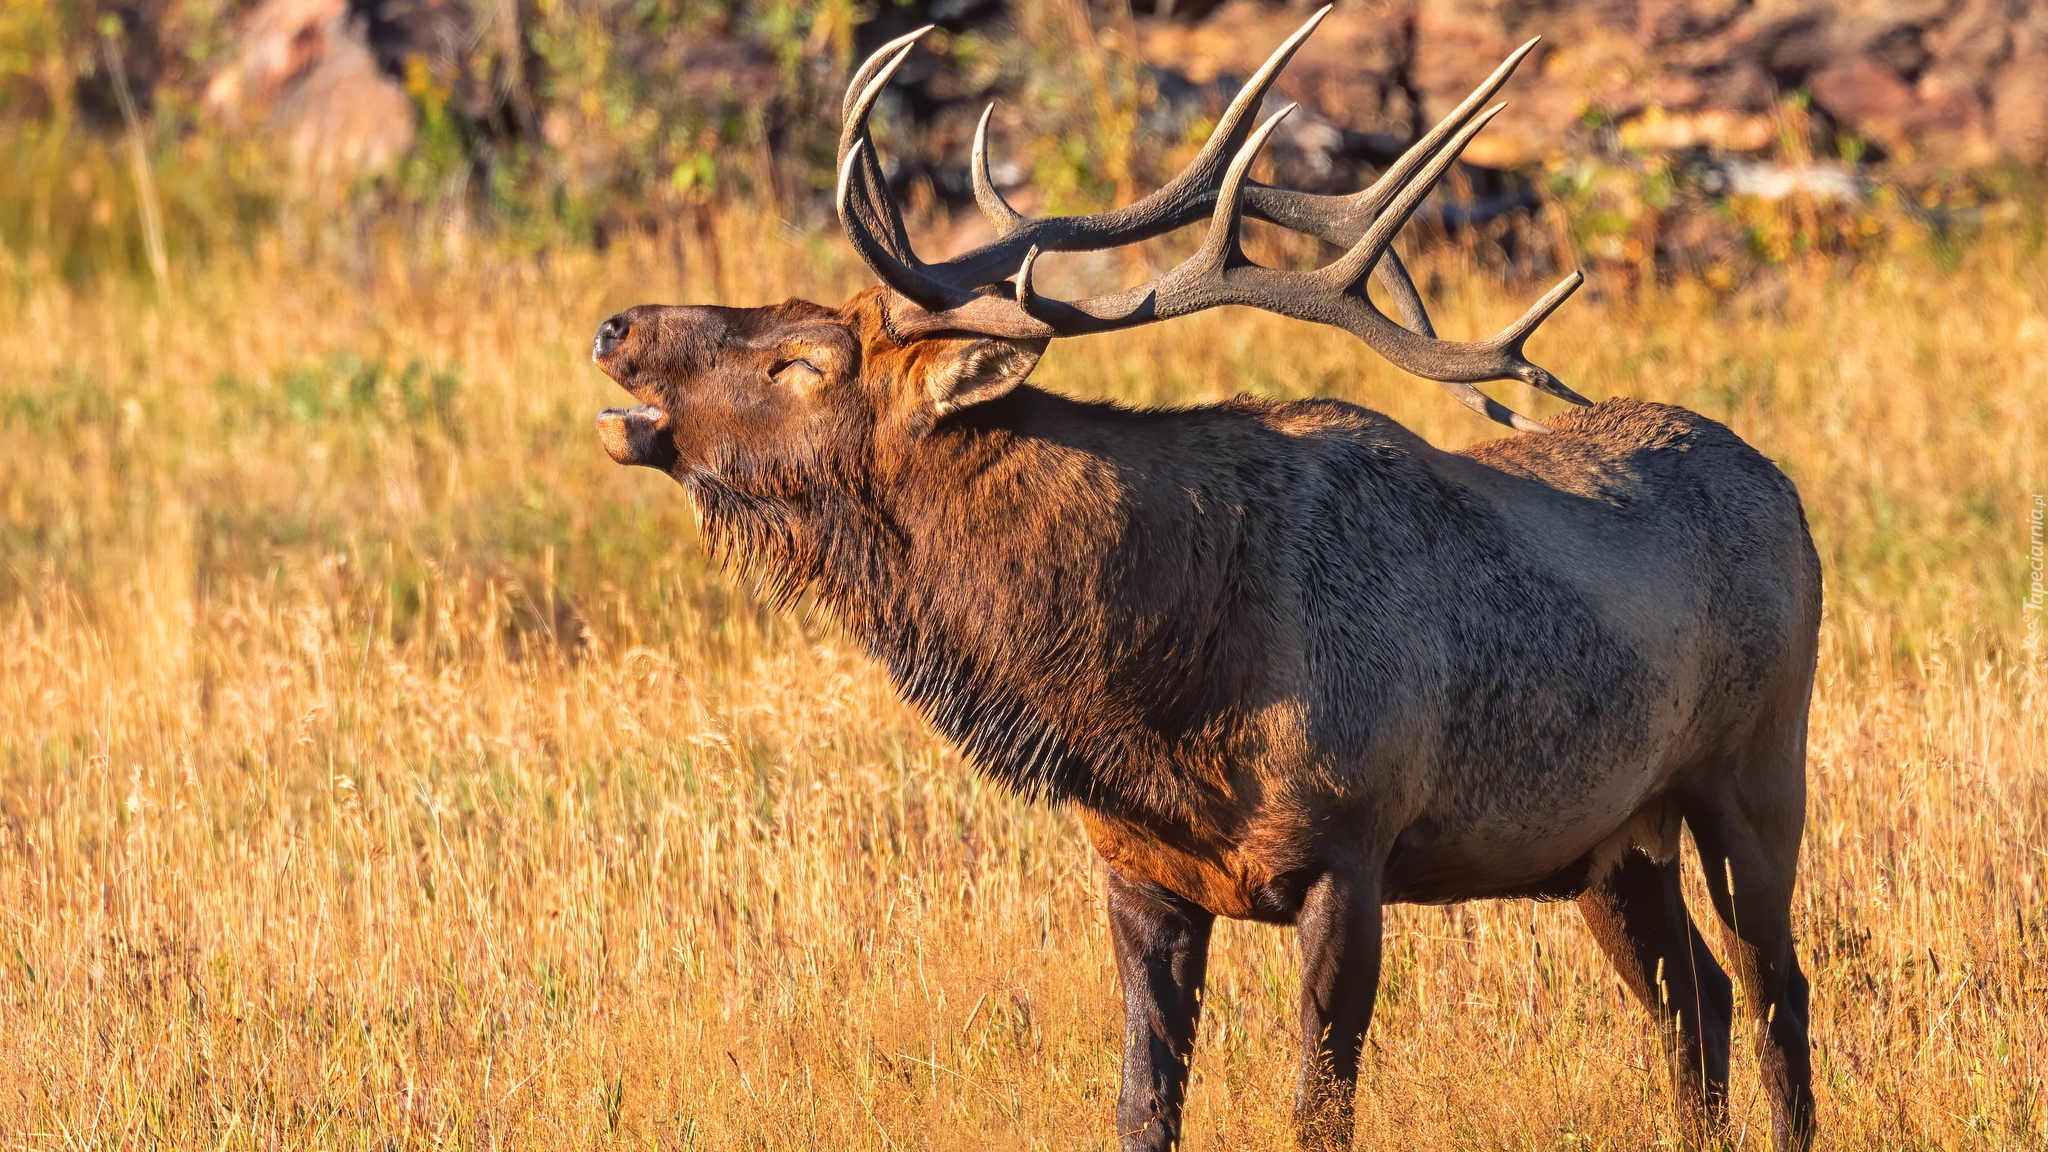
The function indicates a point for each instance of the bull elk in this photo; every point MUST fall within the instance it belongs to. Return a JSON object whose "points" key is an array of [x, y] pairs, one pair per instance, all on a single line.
{"points": [[1286, 661]]}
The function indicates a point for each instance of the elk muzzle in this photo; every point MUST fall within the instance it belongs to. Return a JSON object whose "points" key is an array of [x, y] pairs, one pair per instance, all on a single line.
{"points": [[637, 436], [609, 336]]}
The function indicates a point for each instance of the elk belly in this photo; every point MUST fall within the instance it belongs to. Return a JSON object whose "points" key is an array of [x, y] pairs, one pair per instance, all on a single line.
{"points": [[1435, 864]]}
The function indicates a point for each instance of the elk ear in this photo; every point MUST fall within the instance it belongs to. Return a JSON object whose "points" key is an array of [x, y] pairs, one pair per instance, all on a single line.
{"points": [[969, 372]]}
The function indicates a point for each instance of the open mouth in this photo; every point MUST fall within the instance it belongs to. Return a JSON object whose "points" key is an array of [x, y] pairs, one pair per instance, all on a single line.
{"points": [[637, 435]]}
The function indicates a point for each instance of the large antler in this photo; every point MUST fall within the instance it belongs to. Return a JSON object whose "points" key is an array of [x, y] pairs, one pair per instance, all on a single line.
{"points": [[1185, 199], [948, 296]]}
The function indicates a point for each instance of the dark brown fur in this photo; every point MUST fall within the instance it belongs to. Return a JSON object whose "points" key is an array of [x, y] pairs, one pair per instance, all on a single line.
{"points": [[1289, 662]]}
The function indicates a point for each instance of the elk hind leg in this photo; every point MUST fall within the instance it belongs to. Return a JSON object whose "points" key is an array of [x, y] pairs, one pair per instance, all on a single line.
{"points": [[1637, 912], [1748, 840]]}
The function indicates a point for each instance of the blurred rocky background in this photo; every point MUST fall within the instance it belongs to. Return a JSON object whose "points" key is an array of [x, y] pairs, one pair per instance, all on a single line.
{"points": [[1652, 138]]}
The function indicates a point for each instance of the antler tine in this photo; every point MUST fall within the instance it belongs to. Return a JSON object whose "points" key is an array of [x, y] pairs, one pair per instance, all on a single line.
{"points": [[1514, 335], [1346, 271], [1024, 292], [868, 68], [867, 86], [1394, 276], [1005, 218], [1195, 184], [1370, 202], [1220, 246], [1490, 408], [867, 211], [909, 279], [873, 204]]}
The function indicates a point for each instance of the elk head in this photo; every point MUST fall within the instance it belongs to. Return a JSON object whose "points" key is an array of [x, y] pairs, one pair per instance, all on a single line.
{"points": [[766, 401], [760, 399]]}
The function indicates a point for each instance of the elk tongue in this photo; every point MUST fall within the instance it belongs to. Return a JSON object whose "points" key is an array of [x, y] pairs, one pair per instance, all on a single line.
{"points": [[636, 436]]}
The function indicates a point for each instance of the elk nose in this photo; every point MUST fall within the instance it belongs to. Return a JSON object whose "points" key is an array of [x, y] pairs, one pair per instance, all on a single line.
{"points": [[609, 334]]}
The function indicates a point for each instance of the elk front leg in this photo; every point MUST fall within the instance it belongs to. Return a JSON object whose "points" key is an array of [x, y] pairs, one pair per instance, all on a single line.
{"points": [[1162, 954], [1340, 977]]}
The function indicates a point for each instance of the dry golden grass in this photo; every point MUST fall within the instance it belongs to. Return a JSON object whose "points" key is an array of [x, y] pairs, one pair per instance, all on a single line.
{"points": [[380, 767]]}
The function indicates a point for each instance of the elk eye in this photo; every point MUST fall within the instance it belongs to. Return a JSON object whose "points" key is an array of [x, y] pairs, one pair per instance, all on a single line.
{"points": [[780, 366]]}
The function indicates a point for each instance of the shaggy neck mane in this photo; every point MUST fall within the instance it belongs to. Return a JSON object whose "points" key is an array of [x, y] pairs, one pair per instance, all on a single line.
{"points": [[1027, 592]]}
